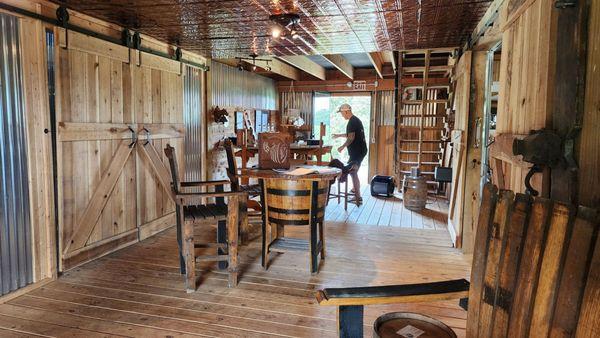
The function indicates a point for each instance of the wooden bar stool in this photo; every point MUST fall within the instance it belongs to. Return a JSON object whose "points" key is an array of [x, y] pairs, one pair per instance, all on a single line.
{"points": [[193, 210], [349, 197]]}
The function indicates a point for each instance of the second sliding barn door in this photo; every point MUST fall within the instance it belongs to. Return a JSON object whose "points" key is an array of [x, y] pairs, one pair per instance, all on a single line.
{"points": [[109, 96]]}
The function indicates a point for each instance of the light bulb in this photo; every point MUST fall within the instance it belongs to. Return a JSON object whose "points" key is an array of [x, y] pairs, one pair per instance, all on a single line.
{"points": [[254, 68], [275, 32], [295, 36]]}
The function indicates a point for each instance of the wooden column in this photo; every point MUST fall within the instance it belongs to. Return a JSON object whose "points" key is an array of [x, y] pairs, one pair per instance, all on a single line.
{"points": [[569, 87]]}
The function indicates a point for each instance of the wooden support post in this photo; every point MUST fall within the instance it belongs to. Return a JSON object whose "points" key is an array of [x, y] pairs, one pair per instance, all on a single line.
{"points": [[350, 321], [569, 88]]}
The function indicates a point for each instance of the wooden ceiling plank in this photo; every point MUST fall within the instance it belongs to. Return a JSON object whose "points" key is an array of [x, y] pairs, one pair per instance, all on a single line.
{"points": [[377, 61], [340, 62], [305, 64]]}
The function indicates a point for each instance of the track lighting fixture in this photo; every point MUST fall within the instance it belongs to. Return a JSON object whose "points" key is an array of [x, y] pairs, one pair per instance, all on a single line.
{"points": [[252, 59]]}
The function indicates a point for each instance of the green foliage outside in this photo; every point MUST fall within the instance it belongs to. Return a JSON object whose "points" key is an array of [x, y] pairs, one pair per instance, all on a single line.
{"points": [[326, 111]]}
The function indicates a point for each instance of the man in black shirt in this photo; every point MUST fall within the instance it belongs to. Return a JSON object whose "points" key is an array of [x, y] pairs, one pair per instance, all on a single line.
{"points": [[356, 144]]}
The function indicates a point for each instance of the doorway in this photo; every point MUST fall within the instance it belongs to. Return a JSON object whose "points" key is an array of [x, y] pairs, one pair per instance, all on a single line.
{"points": [[326, 111], [490, 109]]}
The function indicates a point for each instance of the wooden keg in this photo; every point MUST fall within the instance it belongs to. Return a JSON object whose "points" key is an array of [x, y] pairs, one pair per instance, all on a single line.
{"points": [[414, 190], [289, 201], [410, 325]]}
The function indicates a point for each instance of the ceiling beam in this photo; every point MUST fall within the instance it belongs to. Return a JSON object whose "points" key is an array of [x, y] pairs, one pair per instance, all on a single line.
{"points": [[339, 62], [377, 62], [277, 67], [305, 64]]}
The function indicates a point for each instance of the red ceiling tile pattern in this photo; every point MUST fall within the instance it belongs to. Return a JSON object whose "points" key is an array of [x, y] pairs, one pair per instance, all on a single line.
{"points": [[227, 28]]}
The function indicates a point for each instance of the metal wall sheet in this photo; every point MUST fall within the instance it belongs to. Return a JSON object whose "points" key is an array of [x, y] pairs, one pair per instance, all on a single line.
{"points": [[192, 118], [233, 88], [15, 225], [384, 107]]}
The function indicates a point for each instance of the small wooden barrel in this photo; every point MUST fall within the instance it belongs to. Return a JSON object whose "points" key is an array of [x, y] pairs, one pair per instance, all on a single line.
{"points": [[289, 201], [410, 325], [414, 191]]}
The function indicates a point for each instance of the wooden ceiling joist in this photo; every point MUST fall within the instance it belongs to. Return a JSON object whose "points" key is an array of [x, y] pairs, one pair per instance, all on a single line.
{"points": [[339, 62], [377, 61], [277, 66], [305, 64]]}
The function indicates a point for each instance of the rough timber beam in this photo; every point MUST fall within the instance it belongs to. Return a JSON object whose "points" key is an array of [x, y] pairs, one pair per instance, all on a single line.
{"points": [[305, 64], [277, 66], [341, 64], [377, 61]]}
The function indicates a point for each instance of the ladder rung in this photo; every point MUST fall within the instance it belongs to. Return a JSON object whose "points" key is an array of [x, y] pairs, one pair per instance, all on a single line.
{"points": [[422, 152]]}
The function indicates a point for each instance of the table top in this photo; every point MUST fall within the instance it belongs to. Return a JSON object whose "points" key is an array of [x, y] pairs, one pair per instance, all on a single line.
{"points": [[324, 174], [295, 146]]}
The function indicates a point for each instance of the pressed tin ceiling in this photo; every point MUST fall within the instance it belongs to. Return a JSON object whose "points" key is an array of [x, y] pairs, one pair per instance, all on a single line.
{"points": [[225, 28]]}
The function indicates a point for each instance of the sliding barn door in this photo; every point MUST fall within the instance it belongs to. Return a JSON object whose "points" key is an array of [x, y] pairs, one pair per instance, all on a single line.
{"points": [[116, 110]]}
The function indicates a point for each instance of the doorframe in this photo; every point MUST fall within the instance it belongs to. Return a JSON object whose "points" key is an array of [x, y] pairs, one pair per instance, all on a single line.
{"points": [[487, 116]]}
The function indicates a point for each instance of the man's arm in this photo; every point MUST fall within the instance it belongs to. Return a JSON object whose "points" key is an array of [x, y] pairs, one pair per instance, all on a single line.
{"points": [[349, 139]]}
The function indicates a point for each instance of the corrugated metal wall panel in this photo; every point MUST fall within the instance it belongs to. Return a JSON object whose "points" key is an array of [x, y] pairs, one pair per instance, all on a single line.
{"points": [[384, 107], [234, 88], [15, 224], [192, 118]]}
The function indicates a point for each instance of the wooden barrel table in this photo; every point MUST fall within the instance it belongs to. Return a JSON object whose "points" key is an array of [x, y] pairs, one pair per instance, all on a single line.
{"points": [[290, 200], [410, 325]]}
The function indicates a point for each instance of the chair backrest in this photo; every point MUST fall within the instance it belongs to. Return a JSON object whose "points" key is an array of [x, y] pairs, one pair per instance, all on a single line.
{"points": [[231, 165], [536, 267], [170, 152]]}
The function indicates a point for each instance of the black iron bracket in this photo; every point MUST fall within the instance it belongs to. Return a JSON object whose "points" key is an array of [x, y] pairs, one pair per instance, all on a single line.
{"points": [[133, 137]]}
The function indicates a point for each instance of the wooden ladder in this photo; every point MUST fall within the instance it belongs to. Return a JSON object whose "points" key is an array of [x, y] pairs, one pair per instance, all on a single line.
{"points": [[422, 117]]}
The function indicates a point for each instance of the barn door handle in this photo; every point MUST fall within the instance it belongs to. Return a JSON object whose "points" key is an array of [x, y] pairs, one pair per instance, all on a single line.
{"points": [[147, 135], [133, 137], [478, 131]]}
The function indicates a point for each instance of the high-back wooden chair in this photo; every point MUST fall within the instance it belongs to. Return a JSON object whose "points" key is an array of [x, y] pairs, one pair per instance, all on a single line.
{"points": [[253, 190], [535, 273], [193, 210]]}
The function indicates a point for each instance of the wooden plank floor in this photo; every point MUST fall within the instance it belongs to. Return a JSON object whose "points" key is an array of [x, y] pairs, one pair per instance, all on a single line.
{"points": [[388, 211], [139, 292]]}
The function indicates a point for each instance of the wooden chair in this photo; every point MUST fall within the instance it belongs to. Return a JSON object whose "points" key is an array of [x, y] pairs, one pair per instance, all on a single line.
{"points": [[253, 190], [535, 272], [192, 210]]}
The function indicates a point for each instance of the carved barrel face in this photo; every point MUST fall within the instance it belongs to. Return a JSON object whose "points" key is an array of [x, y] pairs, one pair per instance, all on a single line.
{"points": [[277, 151], [274, 150]]}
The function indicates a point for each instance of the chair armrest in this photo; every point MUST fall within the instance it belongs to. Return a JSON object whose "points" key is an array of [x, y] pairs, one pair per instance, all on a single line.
{"points": [[424, 292], [194, 198], [204, 183]]}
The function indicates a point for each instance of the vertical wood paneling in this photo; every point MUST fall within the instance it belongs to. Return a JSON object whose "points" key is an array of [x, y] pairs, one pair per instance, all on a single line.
{"points": [[526, 79]]}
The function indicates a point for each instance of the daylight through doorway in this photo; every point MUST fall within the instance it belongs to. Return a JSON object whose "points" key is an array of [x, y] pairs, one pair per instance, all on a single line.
{"points": [[326, 111]]}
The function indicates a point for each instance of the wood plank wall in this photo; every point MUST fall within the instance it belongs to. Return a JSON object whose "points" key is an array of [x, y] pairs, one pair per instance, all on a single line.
{"points": [[462, 80], [35, 84], [102, 89], [526, 80], [102, 86]]}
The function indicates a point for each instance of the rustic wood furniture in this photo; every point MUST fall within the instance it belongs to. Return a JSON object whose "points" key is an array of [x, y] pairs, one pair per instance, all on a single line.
{"points": [[274, 150], [299, 151], [293, 201], [192, 209], [531, 262], [348, 197], [253, 190]]}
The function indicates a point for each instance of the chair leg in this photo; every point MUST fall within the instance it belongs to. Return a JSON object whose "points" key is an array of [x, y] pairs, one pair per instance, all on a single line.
{"points": [[233, 238], [346, 195], [339, 191], [264, 225], [243, 222], [189, 257], [221, 238], [322, 237], [314, 263], [180, 221]]}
